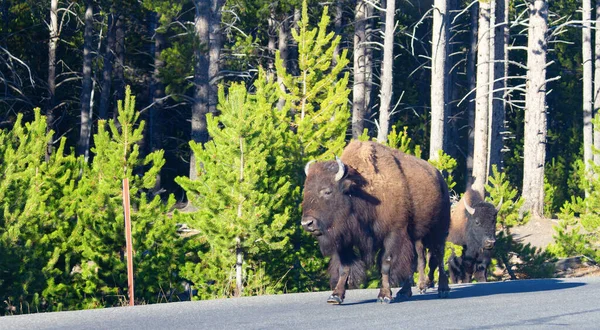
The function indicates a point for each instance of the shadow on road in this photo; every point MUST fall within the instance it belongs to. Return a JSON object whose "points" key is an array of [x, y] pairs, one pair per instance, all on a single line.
{"points": [[495, 288], [486, 289]]}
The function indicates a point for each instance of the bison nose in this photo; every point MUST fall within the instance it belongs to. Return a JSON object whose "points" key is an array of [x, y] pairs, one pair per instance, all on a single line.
{"points": [[489, 243], [307, 224]]}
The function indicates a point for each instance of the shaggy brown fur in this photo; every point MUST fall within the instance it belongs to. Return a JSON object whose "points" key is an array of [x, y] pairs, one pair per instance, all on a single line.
{"points": [[385, 202], [472, 232]]}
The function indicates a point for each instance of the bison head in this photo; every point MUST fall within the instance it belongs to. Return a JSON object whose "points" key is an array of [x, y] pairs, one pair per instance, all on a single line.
{"points": [[325, 196], [481, 224]]}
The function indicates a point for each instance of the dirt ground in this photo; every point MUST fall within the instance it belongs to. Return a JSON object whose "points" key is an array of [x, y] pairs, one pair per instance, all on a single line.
{"points": [[539, 233]]}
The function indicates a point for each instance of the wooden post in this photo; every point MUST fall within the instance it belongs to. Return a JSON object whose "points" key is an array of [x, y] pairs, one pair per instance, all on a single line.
{"points": [[128, 244]]}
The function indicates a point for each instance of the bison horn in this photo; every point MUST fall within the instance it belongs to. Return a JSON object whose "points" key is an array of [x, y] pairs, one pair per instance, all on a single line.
{"points": [[499, 204], [468, 207], [307, 166], [341, 169]]}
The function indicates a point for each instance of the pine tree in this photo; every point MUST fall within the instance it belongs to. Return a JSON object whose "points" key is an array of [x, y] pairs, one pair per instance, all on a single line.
{"points": [[243, 191], [98, 275], [317, 98], [35, 220], [500, 190]]}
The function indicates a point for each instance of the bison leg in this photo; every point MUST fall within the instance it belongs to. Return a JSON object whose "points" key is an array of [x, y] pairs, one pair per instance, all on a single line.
{"points": [[433, 265], [421, 260], [481, 272], [406, 290], [385, 292], [343, 271], [468, 268], [438, 255], [455, 269]]}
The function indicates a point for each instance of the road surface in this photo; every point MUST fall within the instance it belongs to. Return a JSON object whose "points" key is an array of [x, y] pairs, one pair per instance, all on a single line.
{"points": [[526, 304]]}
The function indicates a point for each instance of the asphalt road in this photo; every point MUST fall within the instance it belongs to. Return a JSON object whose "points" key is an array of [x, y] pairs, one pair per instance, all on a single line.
{"points": [[527, 304]]}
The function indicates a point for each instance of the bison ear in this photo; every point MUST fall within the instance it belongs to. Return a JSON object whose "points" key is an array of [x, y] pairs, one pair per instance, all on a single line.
{"points": [[350, 180]]}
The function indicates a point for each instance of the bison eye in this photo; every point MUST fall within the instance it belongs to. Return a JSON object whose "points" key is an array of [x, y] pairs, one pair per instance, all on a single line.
{"points": [[477, 222], [326, 192]]}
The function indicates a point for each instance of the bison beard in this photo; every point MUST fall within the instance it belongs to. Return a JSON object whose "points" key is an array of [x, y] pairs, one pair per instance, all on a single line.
{"points": [[376, 203]]}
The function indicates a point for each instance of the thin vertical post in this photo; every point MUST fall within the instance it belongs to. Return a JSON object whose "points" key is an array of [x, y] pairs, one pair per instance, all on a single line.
{"points": [[128, 244]]}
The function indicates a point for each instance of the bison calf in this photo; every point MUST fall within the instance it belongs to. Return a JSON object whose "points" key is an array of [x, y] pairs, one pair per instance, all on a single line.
{"points": [[376, 202], [472, 225]]}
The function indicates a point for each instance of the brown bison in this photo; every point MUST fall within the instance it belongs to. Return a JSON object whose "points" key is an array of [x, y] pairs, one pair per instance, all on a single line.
{"points": [[473, 226], [376, 202]]}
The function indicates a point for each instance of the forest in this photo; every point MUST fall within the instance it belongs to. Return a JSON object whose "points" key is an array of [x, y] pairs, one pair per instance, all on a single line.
{"points": [[212, 108]]}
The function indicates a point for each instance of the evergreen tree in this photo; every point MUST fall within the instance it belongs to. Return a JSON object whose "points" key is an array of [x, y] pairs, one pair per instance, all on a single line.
{"points": [[36, 219], [98, 277], [317, 99], [242, 192]]}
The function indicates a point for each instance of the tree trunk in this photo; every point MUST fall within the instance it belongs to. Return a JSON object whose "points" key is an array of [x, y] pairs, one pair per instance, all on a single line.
{"points": [[597, 83], [471, 73], [387, 66], [497, 49], [86, 86], [120, 62], [586, 47], [284, 35], [368, 63], [271, 31], [439, 76], [337, 27], [157, 89], [480, 148], [52, 42], [358, 90], [107, 68], [534, 154], [199, 132], [239, 262], [216, 42]]}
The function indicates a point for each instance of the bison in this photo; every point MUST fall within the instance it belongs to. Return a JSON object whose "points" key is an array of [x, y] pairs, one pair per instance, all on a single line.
{"points": [[473, 226], [376, 203]]}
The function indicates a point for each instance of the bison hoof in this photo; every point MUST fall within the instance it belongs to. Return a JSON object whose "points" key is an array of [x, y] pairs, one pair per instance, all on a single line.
{"points": [[334, 300], [443, 294], [384, 300]]}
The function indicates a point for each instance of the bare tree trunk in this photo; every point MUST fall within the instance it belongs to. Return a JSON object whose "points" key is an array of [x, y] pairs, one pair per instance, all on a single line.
{"points": [[597, 83], [586, 41], [387, 66], [199, 132], [120, 61], [157, 90], [471, 73], [368, 63], [284, 35], [271, 31], [497, 49], [216, 42], [439, 76], [239, 262], [52, 43], [358, 90], [534, 155], [107, 68], [86, 86], [337, 27], [480, 149]]}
